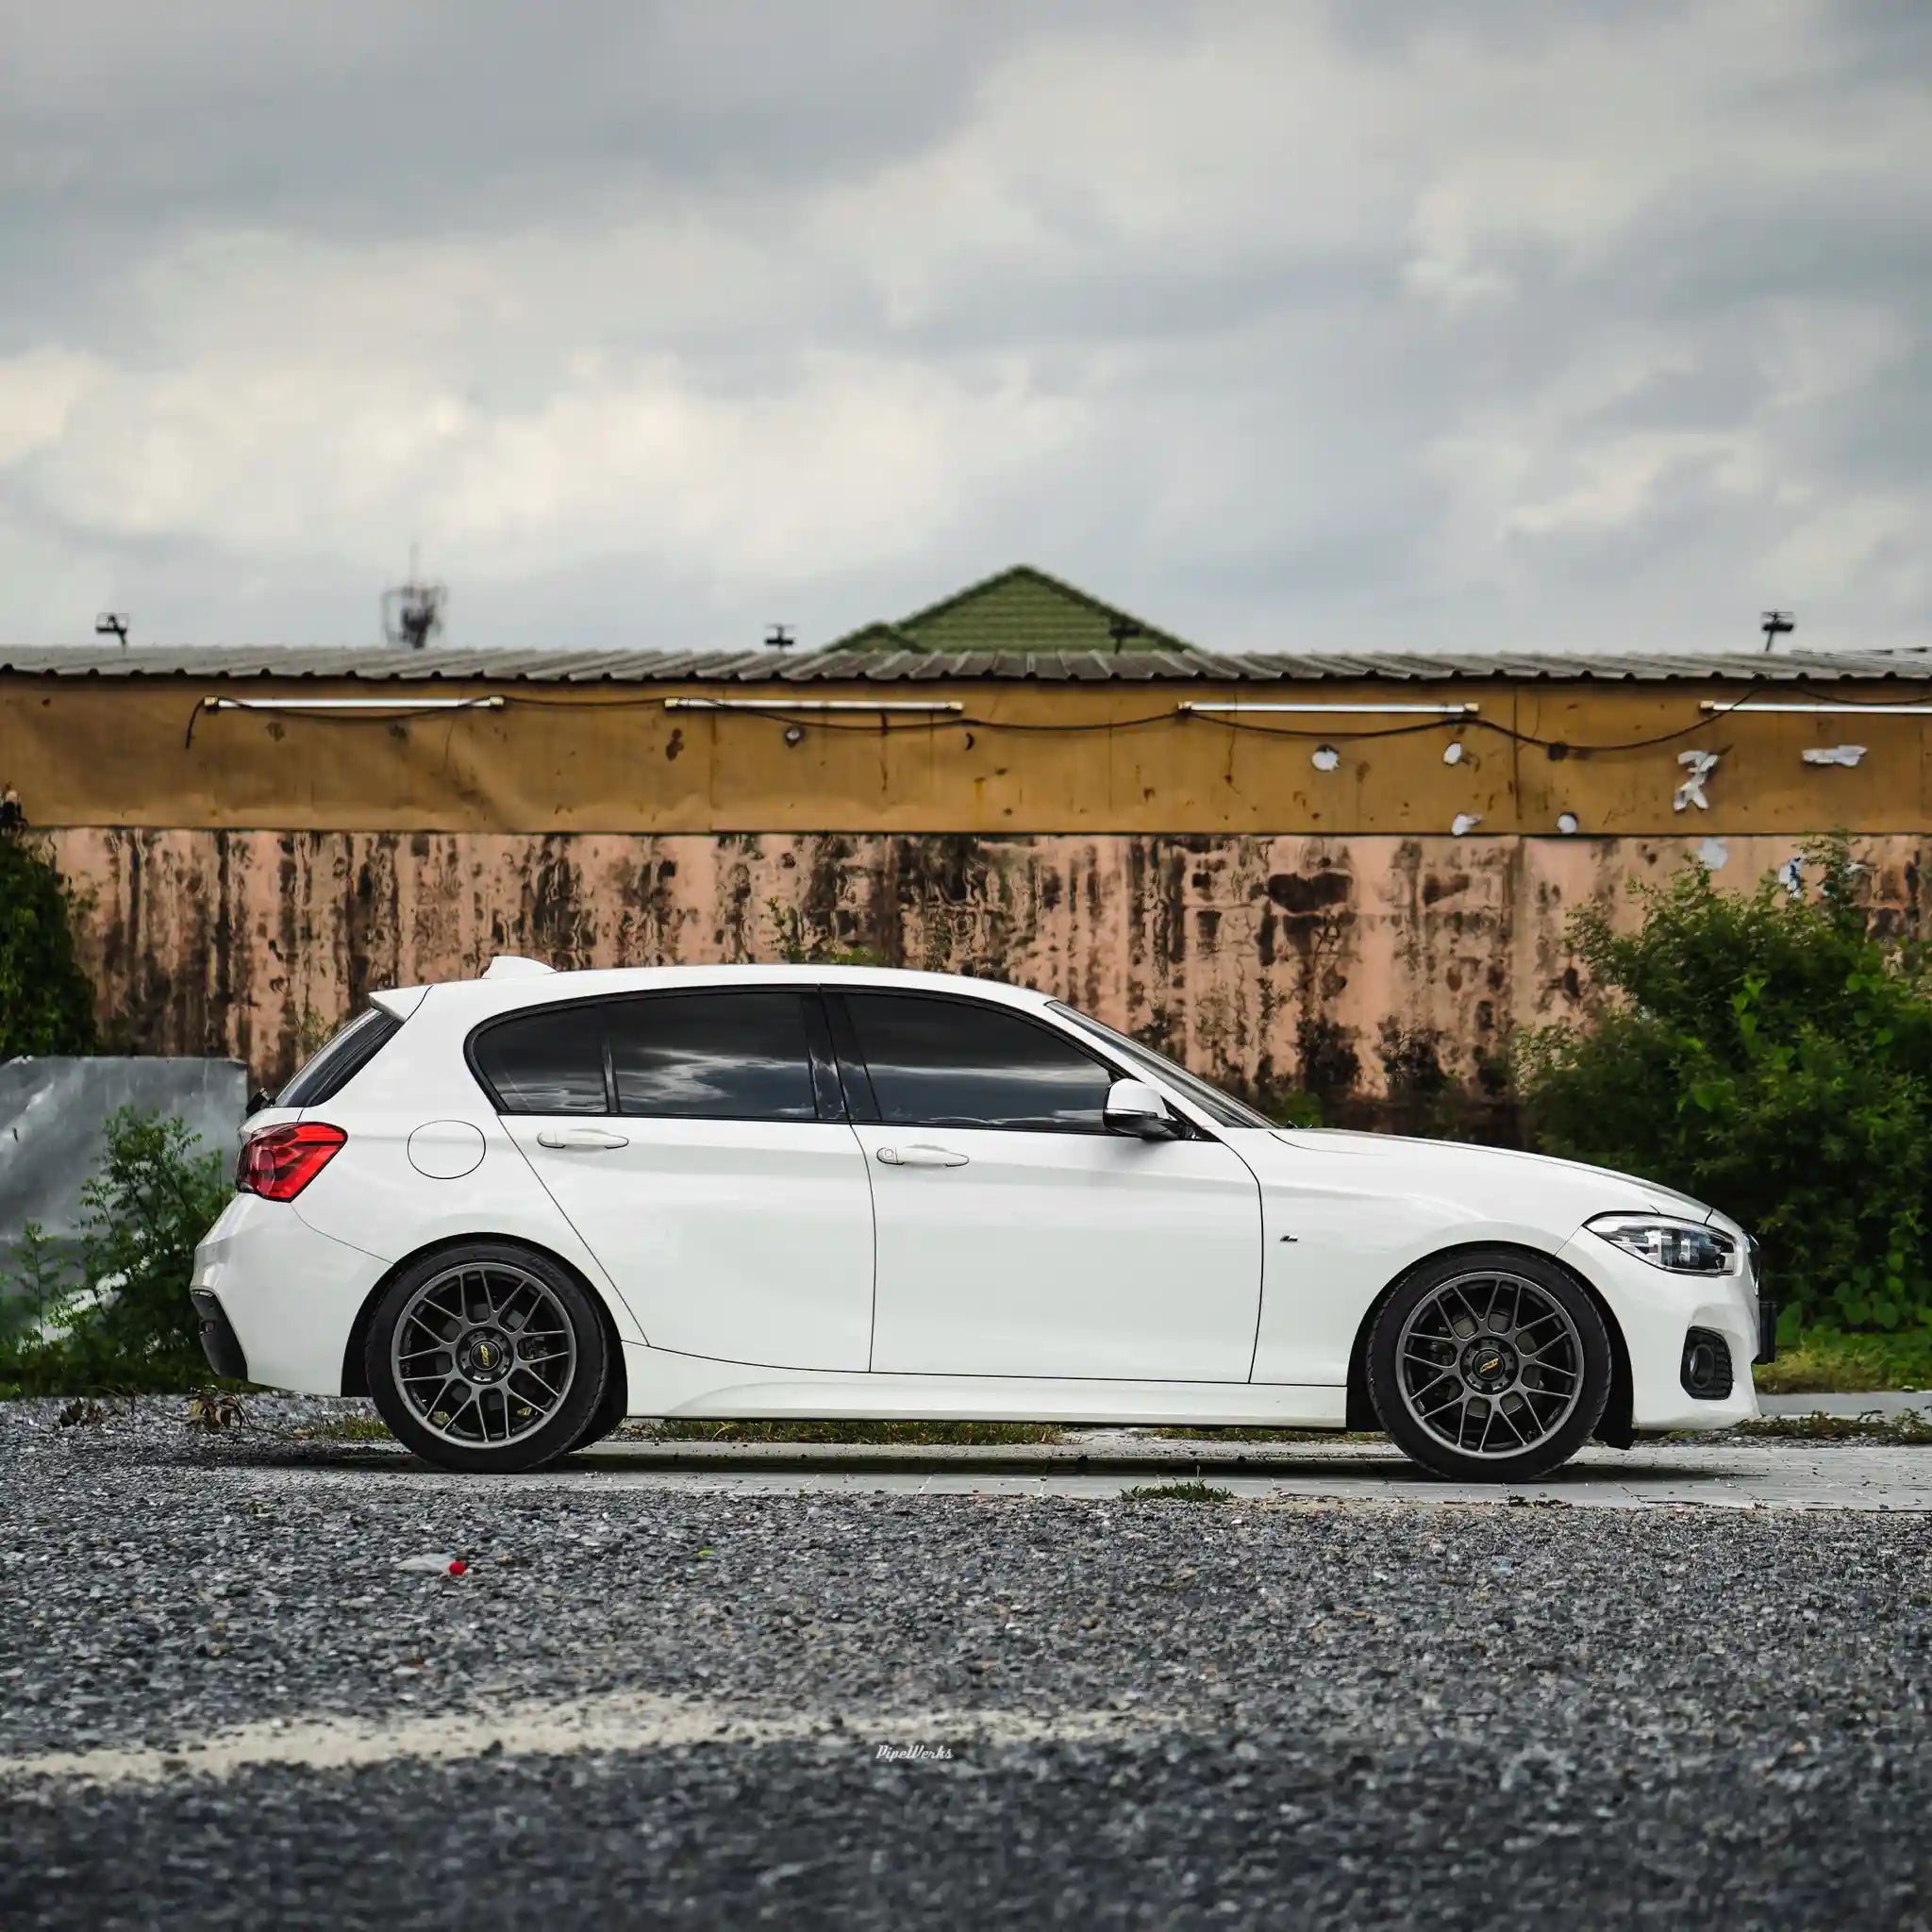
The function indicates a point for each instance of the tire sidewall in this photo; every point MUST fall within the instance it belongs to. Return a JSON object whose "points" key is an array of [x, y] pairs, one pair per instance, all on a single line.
{"points": [[1436, 1456], [580, 1406]]}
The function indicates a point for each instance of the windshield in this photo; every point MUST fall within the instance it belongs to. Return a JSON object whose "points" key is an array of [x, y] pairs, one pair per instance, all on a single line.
{"points": [[1216, 1105]]}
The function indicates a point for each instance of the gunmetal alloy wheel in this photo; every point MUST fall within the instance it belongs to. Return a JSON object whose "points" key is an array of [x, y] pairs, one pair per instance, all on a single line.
{"points": [[487, 1357], [1491, 1366]]}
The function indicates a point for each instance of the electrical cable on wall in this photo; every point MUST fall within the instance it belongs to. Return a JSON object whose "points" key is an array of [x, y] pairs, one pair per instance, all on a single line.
{"points": [[805, 719]]}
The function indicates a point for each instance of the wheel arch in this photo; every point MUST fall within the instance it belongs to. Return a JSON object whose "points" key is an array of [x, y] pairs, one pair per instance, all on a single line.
{"points": [[355, 1382], [1614, 1428]]}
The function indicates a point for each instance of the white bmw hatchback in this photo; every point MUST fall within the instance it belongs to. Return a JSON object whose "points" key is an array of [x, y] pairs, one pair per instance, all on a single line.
{"points": [[516, 1209]]}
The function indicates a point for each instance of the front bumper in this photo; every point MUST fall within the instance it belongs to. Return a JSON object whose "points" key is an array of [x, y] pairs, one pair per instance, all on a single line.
{"points": [[1655, 1310], [286, 1295]]}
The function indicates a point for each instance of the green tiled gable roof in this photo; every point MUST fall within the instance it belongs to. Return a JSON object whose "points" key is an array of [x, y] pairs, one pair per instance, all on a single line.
{"points": [[1020, 609]]}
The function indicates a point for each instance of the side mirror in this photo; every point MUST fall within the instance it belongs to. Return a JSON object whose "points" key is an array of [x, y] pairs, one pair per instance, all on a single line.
{"points": [[261, 1098], [1134, 1107]]}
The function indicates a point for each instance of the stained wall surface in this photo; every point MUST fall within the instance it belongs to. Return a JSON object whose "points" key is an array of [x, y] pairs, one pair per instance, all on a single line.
{"points": [[1217, 947]]}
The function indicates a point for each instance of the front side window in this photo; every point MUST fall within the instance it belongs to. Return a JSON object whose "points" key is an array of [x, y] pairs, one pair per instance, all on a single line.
{"points": [[549, 1059], [955, 1063], [1219, 1108], [732, 1055]]}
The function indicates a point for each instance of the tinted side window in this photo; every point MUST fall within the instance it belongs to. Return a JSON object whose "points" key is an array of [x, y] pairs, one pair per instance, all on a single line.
{"points": [[547, 1061], [730, 1056], [952, 1063], [341, 1060]]}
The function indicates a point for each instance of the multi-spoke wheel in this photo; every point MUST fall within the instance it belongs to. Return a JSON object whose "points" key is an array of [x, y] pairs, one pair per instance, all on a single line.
{"points": [[1490, 1365], [487, 1357]]}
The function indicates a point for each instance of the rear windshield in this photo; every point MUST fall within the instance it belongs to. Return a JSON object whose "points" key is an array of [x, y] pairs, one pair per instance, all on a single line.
{"points": [[341, 1060]]}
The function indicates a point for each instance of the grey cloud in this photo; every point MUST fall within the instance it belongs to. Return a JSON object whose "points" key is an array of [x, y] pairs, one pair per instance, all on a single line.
{"points": [[659, 323]]}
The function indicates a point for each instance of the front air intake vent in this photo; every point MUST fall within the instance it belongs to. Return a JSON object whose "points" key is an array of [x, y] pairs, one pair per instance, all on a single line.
{"points": [[1707, 1371]]}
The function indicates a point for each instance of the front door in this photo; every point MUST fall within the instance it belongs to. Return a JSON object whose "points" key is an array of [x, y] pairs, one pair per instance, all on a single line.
{"points": [[1016, 1236], [695, 1140]]}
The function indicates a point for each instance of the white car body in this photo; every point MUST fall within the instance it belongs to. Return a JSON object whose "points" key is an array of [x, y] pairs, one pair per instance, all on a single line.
{"points": [[837, 1268]]}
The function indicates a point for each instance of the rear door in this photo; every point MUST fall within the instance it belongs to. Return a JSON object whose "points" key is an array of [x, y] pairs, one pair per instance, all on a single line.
{"points": [[1017, 1235], [697, 1143]]}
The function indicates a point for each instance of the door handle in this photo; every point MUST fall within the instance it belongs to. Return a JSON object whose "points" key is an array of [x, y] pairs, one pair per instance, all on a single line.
{"points": [[923, 1154], [584, 1140]]}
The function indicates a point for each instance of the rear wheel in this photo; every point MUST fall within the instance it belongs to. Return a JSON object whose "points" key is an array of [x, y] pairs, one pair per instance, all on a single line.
{"points": [[487, 1357], [1489, 1366]]}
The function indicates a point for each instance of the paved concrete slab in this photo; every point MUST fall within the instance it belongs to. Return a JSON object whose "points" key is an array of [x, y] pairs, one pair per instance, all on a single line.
{"points": [[1720, 1472], [1883, 1402]]}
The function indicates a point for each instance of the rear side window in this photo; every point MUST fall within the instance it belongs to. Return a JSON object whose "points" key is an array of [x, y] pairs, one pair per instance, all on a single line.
{"points": [[547, 1061], [341, 1060], [953, 1063], [732, 1056]]}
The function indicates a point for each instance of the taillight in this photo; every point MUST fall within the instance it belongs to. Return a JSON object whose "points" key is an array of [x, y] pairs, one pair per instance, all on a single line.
{"points": [[278, 1162]]}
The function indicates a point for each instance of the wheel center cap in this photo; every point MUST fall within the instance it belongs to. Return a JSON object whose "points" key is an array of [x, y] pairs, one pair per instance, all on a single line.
{"points": [[1488, 1364], [484, 1355]]}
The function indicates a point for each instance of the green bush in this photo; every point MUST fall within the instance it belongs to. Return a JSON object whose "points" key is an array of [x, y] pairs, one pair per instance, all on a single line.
{"points": [[46, 1004], [153, 1198], [1770, 1053]]}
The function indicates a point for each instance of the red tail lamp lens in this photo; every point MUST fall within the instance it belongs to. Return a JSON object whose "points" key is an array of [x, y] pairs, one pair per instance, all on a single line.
{"points": [[278, 1162]]}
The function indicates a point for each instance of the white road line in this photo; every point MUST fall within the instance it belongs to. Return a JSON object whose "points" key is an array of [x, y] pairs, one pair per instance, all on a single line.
{"points": [[619, 1721]]}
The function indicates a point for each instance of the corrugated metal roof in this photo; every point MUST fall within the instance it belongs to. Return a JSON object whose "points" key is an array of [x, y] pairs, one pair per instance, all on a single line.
{"points": [[875, 665]]}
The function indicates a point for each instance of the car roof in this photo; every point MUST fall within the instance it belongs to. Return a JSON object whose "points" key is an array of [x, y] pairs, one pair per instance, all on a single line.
{"points": [[530, 985]]}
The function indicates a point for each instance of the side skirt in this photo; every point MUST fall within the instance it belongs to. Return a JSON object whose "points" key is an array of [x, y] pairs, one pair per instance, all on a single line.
{"points": [[663, 1384]]}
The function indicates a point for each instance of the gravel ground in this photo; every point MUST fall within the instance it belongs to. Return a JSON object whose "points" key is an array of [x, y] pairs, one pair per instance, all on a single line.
{"points": [[1156, 1713]]}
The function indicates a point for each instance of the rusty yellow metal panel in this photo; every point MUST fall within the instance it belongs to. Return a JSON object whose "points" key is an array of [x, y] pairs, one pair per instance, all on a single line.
{"points": [[1218, 946], [1018, 758]]}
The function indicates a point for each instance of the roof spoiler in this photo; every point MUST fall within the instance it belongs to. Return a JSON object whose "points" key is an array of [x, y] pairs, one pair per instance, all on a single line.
{"points": [[513, 966]]}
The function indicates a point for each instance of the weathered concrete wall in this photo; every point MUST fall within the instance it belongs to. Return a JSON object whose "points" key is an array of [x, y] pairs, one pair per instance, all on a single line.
{"points": [[251, 943], [51, 1115]]}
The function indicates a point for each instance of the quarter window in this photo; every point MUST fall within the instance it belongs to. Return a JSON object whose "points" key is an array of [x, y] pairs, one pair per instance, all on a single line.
{"points": [[341, 1060], [956, 1063], [737, 1056], [547, 1061]]}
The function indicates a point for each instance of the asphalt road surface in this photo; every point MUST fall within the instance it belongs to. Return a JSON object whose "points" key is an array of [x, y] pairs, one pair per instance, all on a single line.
{"points": [[224, 1703]]}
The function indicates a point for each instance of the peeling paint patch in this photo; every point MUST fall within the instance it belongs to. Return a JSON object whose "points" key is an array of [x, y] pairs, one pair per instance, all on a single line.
{"points": [[1698, 766]]}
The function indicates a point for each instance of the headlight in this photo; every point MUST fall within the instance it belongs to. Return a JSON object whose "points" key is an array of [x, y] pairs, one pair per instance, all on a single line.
{"points": [[1683, 1247]]}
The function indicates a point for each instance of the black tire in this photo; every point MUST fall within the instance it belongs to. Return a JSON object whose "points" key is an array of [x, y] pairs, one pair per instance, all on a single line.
{"points": [[1426, 1445], [611, 1410], [580, 1400]]}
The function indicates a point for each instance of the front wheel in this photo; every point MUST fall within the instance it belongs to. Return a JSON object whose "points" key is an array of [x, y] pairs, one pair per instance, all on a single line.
{"points": [[1489, 1366], [487, 1358]]}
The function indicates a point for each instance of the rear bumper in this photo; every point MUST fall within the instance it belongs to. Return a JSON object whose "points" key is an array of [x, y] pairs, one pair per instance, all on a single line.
{"points": [[284, 1296], [219, 1341]]}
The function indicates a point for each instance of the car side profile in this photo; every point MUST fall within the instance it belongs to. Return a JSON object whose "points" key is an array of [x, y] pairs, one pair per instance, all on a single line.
{"points": [[516, 1209]]}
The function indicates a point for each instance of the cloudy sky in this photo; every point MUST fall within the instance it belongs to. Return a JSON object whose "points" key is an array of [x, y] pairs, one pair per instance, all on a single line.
{"points": [[1530, 323]]}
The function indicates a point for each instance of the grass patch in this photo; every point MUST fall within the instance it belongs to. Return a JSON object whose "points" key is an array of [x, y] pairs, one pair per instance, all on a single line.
{"points": [[971, 1434], [346, 1428], [1907, 1428], [1177, 1492], [1825, 1361]]}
